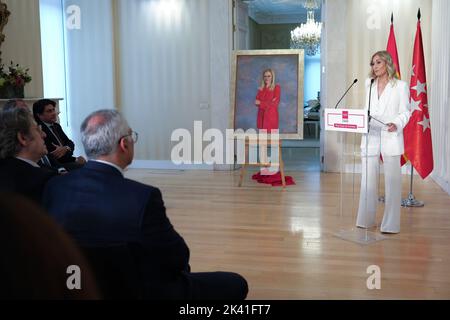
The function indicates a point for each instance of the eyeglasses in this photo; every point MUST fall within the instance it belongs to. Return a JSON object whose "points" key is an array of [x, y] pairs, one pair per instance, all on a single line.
{"points": [[134, 136]]}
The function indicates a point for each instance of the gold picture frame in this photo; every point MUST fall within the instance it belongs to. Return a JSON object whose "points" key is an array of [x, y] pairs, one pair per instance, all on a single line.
{"points": [[247, 68]]}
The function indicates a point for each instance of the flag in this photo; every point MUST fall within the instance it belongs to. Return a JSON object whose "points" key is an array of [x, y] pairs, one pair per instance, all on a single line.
{"points": [[392, 47], [417, 133]]}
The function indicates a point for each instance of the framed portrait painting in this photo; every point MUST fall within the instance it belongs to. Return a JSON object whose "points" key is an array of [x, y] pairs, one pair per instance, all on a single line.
{"points": [[249, 71]]}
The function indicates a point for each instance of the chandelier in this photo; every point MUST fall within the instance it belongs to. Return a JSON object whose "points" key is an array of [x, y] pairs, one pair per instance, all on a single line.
{"points": [[307, 35]]}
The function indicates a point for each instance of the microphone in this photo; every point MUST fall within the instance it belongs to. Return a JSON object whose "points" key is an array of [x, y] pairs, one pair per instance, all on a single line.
{"points": [[368, 111], [354, 81], [370, 98]]}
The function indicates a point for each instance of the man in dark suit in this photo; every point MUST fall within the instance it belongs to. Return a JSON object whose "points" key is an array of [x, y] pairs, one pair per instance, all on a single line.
{"points": [[21, 147], [99, 207], [49, 163], [59, 146]]}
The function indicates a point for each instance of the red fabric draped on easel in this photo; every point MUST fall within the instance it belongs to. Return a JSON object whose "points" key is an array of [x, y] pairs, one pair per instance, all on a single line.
{"points": [[273, 179]]}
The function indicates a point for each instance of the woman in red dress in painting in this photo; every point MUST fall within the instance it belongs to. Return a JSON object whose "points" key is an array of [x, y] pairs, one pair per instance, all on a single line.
{"points": [[267, 101]]}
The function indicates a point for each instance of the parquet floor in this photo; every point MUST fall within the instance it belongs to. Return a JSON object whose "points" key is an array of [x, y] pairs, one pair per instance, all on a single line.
{"points": [[284, 242]]}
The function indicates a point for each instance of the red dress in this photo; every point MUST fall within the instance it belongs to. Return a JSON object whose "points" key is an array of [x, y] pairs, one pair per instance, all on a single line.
{"points": [[268, 119], [268, 109]]}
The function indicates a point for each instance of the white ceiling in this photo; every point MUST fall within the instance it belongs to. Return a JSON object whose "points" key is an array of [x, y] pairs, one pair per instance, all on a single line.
{"points": [[278, 11]]}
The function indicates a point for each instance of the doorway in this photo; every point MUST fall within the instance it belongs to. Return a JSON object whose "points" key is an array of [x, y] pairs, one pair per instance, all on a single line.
{"points": [[267, 25]]}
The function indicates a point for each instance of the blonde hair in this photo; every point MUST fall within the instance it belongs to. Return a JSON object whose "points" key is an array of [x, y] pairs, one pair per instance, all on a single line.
{"points": [[386, 57], [272, 85]]}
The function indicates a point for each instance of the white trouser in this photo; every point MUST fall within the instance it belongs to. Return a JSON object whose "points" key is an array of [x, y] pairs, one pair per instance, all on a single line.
{"points": [[367, 209]]}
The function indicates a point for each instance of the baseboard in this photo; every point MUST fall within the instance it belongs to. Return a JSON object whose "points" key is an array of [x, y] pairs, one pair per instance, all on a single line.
{"points": [[167, 165], [445, 185], [406, 169], [306, 143]]}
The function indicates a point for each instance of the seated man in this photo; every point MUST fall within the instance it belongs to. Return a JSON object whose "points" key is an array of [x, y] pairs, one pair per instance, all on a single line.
{"points": [[45, 162], [59, 146], [101, 208], [21, 147]]}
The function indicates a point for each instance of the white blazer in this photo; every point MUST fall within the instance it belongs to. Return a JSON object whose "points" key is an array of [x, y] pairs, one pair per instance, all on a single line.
{"points": [[392, 106]]}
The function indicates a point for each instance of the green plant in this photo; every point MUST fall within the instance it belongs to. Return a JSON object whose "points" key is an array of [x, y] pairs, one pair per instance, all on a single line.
{"points": [[14, 75]]}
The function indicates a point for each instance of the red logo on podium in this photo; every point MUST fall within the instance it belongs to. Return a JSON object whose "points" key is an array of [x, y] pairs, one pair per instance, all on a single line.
{"points": [[344, 116]]}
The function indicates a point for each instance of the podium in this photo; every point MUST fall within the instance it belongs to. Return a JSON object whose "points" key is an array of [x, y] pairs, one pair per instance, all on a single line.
{"points": [[350, 124]]}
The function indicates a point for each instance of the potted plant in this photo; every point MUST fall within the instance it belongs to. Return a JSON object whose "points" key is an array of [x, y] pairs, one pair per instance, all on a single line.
{"points": [[13, 80]]}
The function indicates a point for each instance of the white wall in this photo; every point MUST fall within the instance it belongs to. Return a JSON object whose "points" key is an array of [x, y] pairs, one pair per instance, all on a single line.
{"points": [[22, 43], [52, 37], [439, 95], [164, 69], [52, 21], [89, 63], [334, 72], [220, 36]]}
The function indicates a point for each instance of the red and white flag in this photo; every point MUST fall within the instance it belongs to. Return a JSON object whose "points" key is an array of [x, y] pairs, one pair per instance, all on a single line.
{"points": [[392, 47], [417, 133]]}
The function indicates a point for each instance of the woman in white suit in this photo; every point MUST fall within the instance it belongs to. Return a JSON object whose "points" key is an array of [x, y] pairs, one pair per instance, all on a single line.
{"points": [[389, 114]]}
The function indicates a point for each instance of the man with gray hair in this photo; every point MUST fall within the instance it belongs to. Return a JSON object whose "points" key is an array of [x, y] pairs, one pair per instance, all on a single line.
{"points": [[45, 162], [99, 207], [21, 147]]}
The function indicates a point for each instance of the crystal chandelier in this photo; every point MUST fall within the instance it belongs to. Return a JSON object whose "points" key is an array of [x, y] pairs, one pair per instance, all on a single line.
{"points": [[307, 36]]}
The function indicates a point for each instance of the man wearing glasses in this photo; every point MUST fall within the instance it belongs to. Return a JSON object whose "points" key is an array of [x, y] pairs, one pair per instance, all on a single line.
{"points": [[99, 207]]}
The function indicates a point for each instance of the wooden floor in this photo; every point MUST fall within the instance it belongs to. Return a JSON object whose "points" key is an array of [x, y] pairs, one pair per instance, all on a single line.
{"points": [[284, 242]]}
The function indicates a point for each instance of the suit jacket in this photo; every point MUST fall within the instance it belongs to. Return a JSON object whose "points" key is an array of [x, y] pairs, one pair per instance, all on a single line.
{"points": [[391, 106], [54, 165], [99, 207], [51, 139], [21, 177]]}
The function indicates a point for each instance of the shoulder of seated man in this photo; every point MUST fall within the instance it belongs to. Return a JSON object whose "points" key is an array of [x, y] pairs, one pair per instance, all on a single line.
{"points": [[142, 186], [48, 171]]}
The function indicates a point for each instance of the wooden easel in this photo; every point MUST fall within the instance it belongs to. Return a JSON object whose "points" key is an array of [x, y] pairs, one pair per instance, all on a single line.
{"points": [[262, 146]]}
